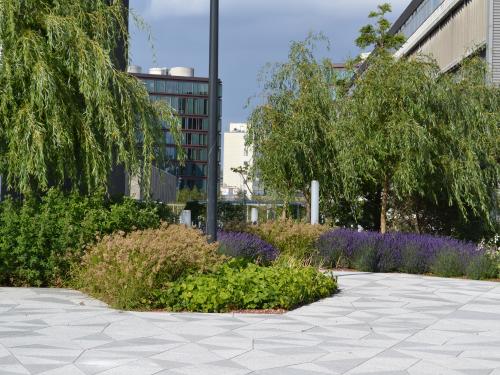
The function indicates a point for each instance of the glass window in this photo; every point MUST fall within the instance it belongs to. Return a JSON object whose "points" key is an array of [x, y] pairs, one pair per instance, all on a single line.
{"points": [[171, 152], [181, 106], [186, 88], [424, 10], [190, 106], [172, 87], [150, 85], [203, 154], [169, 139], [160, 86], [201, 88]]}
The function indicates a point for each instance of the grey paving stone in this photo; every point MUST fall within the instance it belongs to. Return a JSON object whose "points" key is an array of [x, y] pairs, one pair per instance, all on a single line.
{"points": [[378, 324]]}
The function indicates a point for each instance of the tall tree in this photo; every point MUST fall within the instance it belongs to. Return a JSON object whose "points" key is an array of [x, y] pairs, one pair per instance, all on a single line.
{"points": [[67, 114], [289, 129], [415, 132]]}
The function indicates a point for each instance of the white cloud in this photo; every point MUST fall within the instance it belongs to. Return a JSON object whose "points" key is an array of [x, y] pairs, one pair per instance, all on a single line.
{"points": [[165, 8]]}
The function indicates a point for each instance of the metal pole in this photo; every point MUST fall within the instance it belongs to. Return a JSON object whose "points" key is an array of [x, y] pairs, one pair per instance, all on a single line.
{"points": [[213, 123]]}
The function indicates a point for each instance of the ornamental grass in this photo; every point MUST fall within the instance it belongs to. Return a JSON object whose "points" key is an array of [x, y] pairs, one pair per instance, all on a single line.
{"points": [[122, 269]]}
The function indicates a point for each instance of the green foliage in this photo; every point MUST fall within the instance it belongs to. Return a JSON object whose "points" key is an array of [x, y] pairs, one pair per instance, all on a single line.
{"points": [[67, 114], [41, 238], [378, 35], [230, 212], [188, 195], [414, 135], [413, 261], [289, 131], [448, 264], [291, 238], [241, 285], [482, 267], [122, 269], [367, 259]]}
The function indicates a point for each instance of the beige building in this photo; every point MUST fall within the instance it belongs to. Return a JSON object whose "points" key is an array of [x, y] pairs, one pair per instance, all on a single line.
{"points": [[236, 155], [451, 30]]}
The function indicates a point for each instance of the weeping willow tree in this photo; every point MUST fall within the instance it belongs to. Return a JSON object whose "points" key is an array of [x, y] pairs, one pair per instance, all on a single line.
{"points": [[67, 113], [420, 135], [289, 131]]}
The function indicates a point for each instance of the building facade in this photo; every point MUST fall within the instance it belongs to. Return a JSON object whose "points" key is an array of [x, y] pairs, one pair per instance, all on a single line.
{"points": [[237, 155], [452, 30], [188, 95]]}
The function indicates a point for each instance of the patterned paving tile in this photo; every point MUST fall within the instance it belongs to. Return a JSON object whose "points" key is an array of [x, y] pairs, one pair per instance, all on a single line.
{"points": [[385, 324]]}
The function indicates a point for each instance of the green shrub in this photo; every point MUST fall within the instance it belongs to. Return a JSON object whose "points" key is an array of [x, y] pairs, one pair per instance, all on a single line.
{"points": [[448, 264], [413, 260], [122, 269], [41, 238], [241, 285], [367, 259], [482, 267], [289, 237]]}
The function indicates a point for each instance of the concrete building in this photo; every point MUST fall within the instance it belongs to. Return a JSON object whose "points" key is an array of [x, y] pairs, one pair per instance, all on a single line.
{"points": [[237, 155], [188, 95], [452, 30]]}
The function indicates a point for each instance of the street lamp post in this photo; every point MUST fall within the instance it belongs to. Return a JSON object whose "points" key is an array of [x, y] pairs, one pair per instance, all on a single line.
{"points": [[213, 148]]}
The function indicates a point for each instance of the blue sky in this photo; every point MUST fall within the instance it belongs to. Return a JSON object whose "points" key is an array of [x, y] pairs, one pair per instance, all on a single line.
{"points": [[252, 33]]}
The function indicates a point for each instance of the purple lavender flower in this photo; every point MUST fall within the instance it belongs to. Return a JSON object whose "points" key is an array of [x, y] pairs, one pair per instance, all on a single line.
{"points": [[407, 252], [246, 245]]}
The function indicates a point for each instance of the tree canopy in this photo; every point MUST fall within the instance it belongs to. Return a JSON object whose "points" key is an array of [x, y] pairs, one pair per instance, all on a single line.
{"points": [[415, 132], [289, 130], [405, 140], [67, 114]]}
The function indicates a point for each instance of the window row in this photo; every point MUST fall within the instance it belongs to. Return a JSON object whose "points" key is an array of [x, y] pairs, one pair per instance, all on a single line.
{"points": [[163, 86], [193, 170], [191, 184], [194, 139], [424, 10], [196, 154], [189, 123], [189, 106]]}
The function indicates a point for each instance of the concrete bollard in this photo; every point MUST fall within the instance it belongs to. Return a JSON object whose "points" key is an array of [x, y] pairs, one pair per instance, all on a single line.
{"points": [[314, 202], [254, 215], [186, 218]]}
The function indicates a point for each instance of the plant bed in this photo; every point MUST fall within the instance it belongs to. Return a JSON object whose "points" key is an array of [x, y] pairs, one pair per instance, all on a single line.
{"points": [[239, 285], [406, 253]]}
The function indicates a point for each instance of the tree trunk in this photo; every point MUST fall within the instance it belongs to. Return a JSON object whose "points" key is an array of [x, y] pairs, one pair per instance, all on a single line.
{"points": [[307, 198], [383, 205], [417, 216], [285, 209]]}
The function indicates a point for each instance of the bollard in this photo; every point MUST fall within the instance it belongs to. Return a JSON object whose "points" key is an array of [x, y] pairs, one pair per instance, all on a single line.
{"points": [[314, 202], [254, 215], [186, 218]]}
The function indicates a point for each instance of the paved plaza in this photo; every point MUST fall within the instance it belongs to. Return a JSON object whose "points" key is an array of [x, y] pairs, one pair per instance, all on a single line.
{"points": [[378, 324]]}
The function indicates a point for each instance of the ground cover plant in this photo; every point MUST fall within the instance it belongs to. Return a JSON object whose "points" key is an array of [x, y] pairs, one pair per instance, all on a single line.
{"points": [[122, 269], [41, 237], [246, 245], [241, 285], [405, 252]]}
